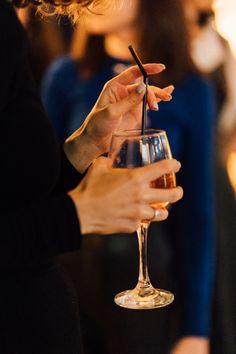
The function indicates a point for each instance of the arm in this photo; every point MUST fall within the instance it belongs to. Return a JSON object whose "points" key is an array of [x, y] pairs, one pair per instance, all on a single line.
{"points": [[54, 96], [196, 217], [188, 120], [33, 232], [38, 221]]}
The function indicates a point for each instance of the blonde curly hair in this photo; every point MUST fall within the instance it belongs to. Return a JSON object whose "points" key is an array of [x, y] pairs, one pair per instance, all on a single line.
{"points": [[72, 8]]}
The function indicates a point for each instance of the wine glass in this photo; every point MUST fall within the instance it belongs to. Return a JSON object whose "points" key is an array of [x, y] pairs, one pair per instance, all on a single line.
{"points": [[130, 149]]}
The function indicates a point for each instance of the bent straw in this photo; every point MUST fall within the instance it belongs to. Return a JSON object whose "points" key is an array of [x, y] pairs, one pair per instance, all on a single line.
{"points": [[145, 80]]}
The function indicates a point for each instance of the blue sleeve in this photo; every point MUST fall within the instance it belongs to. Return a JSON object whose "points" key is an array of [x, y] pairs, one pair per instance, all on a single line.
{"points": [[53, 92], [197, 217], [192, 219]]}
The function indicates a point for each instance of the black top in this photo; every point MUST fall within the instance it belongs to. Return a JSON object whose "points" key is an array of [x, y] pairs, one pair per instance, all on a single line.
{"points": [[37, 218]]}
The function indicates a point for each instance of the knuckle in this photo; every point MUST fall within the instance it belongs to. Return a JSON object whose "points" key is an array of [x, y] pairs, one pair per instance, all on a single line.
{"points": [[139, 195], [138, 179], [135, 179], [133, 99], [163, 165], [109, 111], [139, 212]]}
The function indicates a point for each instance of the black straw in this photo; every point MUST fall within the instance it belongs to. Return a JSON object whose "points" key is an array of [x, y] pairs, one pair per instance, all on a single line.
{"points": [[145, 80]]}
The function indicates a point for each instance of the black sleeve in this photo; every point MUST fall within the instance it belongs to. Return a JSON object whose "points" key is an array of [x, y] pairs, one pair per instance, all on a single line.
{"points": [[69, 177], [37, 218], [30, 234]]}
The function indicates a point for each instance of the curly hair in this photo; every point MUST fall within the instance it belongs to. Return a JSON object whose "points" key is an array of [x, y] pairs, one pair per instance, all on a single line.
{"points": [[72, 8]]}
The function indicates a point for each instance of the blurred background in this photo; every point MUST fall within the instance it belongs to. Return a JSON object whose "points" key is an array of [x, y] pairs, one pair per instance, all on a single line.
{"points": [[196, 247], [225, 23]]}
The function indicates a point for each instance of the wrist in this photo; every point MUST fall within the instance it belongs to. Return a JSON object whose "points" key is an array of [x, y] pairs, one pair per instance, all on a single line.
{"points": [[81, 151], [85, 209]]}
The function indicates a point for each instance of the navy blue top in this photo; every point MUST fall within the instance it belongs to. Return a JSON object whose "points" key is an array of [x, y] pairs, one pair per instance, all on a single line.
{"points": [[188, 120]]}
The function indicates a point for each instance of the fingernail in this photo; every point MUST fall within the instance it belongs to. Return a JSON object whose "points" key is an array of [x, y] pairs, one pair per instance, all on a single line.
{"points": [[179, 165], [163, 66], [141, 88], [169, 96], [155, 106]]}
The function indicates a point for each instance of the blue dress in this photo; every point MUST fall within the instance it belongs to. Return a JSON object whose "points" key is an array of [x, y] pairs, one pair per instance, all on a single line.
{"points": [[188, 120]]}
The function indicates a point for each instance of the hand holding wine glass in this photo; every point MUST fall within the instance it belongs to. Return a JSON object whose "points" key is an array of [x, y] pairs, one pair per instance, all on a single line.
{"points": [[130, 150], [110, 200]]}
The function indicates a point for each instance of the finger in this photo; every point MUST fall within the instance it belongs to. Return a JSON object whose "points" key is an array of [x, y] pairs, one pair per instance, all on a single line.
{"points": [[160, 214], [149, 213], [155, 170], [165, 195], [169, 89], [155, 95], [126, 104], [137, 87], [128, 76], [140, 86]]}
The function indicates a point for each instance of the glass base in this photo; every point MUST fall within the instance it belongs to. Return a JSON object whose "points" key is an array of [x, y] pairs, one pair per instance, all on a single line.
{"points": [[139, 300]]}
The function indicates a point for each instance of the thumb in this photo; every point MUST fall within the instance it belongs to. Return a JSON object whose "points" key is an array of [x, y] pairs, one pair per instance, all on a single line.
{"points": [[133, 99], [101, 164]]}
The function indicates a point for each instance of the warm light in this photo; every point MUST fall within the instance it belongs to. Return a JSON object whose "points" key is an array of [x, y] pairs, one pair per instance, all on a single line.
{"points": [[231, 168], [226, 20]]}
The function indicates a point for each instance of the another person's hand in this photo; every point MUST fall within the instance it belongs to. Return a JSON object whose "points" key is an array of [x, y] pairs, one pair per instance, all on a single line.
{"points": [[192, 345], [119, 106], [117, 200]]}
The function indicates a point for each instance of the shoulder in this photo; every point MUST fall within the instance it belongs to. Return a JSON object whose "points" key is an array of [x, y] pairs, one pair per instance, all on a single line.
{"points": [[59, 74], [61, 67]]}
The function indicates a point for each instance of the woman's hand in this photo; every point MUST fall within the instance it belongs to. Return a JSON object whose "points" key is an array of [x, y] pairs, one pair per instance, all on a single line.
{"points": [[117, 200], [192, 345], [119, 106]]}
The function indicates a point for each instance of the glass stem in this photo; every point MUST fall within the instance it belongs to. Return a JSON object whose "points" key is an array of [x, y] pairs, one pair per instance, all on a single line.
{"points": [[143, 279]]}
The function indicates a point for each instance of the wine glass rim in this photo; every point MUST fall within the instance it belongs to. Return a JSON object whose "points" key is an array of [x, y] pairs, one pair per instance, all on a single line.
{"points": [[138, 132]]}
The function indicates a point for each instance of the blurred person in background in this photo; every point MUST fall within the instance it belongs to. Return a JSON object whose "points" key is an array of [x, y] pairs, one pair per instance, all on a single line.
{"points": [[182, 250], [213, 56], [48, 201]]}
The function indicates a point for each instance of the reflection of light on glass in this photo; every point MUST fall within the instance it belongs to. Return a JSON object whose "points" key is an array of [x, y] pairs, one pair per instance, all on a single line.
{"points": [[231, 168], [226, 20]]}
